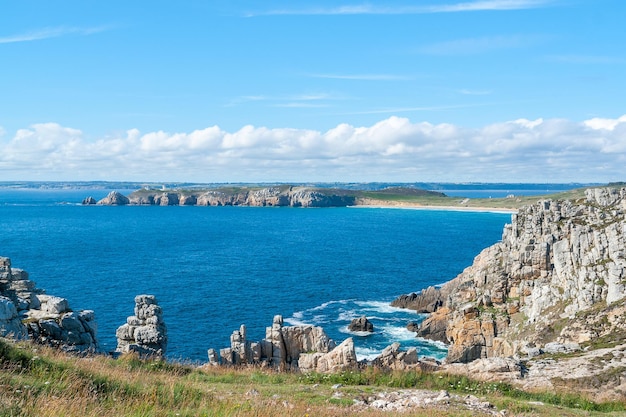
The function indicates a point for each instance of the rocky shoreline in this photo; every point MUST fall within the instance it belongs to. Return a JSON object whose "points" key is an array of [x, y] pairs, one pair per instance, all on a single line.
{"points": [[278, 196], [543, 308], [555, 285]]}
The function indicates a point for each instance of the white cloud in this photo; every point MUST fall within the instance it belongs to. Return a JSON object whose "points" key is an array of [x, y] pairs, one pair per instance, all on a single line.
{"points": [[586, 59], [598, 123], [468, 6], [394, 149], [472, 46], [306, 100], [468, 92], [54, 32], [362, 77]]}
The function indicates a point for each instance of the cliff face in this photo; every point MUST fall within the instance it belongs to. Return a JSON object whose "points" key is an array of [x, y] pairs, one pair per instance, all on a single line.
{"points": [[27, 313], [272, 196], [558, 275]]}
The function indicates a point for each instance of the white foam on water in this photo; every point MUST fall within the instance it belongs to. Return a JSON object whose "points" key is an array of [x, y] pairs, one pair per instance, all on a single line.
{"points": [[345, 330], [383, 307], [296, 322], [298, 315], [435, 343], [397, 333], [327, 304], [363, 353], [320, 319], [347, 315]]}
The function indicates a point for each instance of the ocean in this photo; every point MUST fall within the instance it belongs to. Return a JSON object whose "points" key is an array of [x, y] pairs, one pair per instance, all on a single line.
{"points": [[215, 268]]}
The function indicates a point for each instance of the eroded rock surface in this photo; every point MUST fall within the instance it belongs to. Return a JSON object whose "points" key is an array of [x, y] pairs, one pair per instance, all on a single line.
{"points": [[27, 313], [558, 275], [305, 348], [144, 333], [114, 198], [361, 324], [283, 196]]}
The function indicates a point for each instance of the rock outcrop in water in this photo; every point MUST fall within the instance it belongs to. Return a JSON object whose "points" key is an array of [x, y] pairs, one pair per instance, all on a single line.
{"points": [[306, 348], [27, 313], [558, 275], [361, 324], [114, 198], [144, 333]]}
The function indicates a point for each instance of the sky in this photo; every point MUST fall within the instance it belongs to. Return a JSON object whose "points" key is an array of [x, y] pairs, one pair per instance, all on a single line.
{"points": [[318, 90]]}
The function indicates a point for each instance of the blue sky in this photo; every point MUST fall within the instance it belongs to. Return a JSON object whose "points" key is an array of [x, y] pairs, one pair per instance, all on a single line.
{"points": [[220, 91]]}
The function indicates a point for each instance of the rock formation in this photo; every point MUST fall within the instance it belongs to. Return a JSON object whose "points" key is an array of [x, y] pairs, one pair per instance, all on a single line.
{"points": [[89, 201], [361, 324], [287, 347], [114, 198], [283, 196], [426, 301], [341, 358], [558, 275], [394, 358], [27, 313], [144, 333]]}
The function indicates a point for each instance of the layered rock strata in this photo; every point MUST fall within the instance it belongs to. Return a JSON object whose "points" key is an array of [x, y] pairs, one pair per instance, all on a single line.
{"points": [[144, 333], [557, 275], [26, 312]]}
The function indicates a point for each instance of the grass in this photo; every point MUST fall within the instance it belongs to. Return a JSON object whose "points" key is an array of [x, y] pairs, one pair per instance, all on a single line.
{"points": [[37, 381], [399, 195]]}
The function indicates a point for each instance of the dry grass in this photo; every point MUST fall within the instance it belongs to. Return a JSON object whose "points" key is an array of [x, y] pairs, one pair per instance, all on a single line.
{"points": [[36, 381]]}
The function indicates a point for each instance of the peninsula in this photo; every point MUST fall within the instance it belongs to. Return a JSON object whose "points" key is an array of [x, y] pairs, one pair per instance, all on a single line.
{"points": [[307, 196]]}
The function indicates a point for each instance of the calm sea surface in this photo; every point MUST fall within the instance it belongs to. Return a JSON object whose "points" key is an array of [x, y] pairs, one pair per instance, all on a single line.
{"points": [[215, 268]]}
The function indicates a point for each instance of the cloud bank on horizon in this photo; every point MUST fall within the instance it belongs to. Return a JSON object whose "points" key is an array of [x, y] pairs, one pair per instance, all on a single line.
{"points": [[394, 149], [324, 90]]}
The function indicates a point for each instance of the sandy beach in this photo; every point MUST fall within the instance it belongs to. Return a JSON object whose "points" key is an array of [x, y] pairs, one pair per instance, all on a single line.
{"points": [[415, 206]]}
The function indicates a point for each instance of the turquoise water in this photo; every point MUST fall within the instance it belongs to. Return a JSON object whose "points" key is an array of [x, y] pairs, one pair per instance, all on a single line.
{"points": [[215, 268]]}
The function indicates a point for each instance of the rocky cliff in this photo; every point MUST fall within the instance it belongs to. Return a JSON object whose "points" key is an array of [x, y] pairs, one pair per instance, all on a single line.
{"points": [[556, 280], [27, 313], [283, 196]]}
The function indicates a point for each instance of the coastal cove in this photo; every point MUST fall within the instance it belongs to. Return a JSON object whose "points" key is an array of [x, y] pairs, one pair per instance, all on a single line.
{"points": [[215, 268]]}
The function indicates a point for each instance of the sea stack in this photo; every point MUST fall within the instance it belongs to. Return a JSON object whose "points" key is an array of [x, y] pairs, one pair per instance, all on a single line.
{"points": [[144, 333]]}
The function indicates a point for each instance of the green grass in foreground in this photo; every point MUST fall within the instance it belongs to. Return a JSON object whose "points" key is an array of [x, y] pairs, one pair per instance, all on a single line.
{"points": [[36, 381]]}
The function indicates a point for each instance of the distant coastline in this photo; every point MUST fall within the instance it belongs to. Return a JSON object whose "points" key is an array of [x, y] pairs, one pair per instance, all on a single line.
{"points": [[441, 208], [466, 197]]}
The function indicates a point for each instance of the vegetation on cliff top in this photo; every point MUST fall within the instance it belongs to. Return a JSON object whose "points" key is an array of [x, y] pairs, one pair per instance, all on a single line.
{"points": [[404, 196], [37, 381]]}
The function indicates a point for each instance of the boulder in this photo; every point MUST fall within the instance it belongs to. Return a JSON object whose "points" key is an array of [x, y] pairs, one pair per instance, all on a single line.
{"points": [[341, 358], [50, 320], [394, 358], [89, 201], [361, 324], [10, 323]]}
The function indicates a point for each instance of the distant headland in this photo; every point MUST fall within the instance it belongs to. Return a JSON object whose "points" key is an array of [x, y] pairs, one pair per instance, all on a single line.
{"points": [[340, 195]]}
